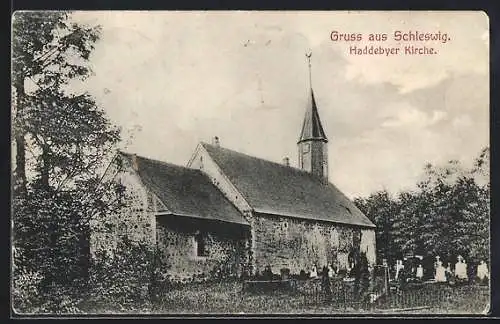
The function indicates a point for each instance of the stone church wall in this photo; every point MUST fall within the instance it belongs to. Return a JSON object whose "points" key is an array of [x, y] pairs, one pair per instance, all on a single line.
{"points": [[227, 254], [201, 160], [283, 242], [135, 219]]}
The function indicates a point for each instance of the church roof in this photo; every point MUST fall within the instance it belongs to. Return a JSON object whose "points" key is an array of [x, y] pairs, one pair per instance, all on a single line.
{"points": [[312, 128], [184, 191], [274, 188]]}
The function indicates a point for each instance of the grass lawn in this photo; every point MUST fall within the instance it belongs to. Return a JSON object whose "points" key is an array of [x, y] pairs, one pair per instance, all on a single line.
{"points": [[227, 298], [442, 299]]}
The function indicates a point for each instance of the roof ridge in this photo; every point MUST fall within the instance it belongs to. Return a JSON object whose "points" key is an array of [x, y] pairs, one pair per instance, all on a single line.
{"points": [[258, 158], [160, 161], [275, 187], [185, 191]]}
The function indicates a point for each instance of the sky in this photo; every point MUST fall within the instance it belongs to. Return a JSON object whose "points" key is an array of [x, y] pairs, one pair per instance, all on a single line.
{"points": [[173, 79]]}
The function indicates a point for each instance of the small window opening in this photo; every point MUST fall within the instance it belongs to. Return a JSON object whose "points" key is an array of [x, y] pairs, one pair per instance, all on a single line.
{"points": [[200, 245]]}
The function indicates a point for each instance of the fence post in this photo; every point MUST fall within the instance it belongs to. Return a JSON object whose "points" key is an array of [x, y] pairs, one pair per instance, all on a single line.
{"points": [[344, 302], [386, 280], [315, 294]]}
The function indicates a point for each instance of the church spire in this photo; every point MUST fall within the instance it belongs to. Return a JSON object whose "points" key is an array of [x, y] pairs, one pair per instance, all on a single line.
{"points": [[311, 127], [312, 144]]}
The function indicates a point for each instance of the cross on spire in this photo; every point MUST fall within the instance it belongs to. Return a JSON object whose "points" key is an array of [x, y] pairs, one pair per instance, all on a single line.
{"points": [[308, 55]]}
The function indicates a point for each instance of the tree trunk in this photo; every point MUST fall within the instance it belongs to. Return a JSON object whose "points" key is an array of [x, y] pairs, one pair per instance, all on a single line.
{"points": [[45, 167], [20, 171]]}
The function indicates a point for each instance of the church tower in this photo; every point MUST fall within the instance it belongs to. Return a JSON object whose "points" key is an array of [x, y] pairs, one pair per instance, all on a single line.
{"points": [[312, 144]]}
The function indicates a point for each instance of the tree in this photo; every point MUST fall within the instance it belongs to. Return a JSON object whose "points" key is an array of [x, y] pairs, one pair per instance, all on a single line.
{"points": [[457, 215], [447, 215], [67, 132], [65, 136], [382, 209]]}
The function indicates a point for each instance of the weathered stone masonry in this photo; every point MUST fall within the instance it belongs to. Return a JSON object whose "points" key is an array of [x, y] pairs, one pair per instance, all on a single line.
{"points": [[284, 242], [173, 236], [226, 253], [135, 220]]}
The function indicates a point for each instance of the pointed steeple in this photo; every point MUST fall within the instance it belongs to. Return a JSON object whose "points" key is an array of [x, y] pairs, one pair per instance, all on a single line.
{"points": [[313, 144], [311, 127]]}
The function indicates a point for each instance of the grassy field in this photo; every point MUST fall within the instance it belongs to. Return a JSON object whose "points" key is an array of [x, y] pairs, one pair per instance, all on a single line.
{"points": [[227, 298]]}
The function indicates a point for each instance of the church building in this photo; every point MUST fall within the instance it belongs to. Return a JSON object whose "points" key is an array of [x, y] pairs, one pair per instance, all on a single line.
{"points": [[226, 212]]}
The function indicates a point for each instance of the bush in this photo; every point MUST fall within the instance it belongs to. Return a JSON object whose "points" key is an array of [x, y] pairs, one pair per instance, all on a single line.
{"points": [[124, 280], [30, 298], [26, 294]]}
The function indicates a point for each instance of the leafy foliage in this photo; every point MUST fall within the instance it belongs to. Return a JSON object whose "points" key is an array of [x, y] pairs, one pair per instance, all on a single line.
{"points": [[123, 280], [65, 138], [67, 133], [447, 215], [381, 207]]}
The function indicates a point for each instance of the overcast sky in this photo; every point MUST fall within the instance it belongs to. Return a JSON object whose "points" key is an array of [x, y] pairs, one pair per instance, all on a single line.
{"points": [[173, 79]]}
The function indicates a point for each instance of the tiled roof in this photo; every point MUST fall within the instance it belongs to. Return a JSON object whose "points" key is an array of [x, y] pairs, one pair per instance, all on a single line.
{"points": [[184, 191], [274, 188]]}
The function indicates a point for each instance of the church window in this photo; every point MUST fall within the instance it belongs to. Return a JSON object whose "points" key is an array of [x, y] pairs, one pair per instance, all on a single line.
{"points": [[201, 162], [305, 148], [200, 245]]}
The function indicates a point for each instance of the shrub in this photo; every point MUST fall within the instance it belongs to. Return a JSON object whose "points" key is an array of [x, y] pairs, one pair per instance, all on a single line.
{"points": [[123, 280]]}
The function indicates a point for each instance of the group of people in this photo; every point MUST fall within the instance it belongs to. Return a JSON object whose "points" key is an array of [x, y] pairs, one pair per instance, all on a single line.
{"points": [[443, 272]]}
